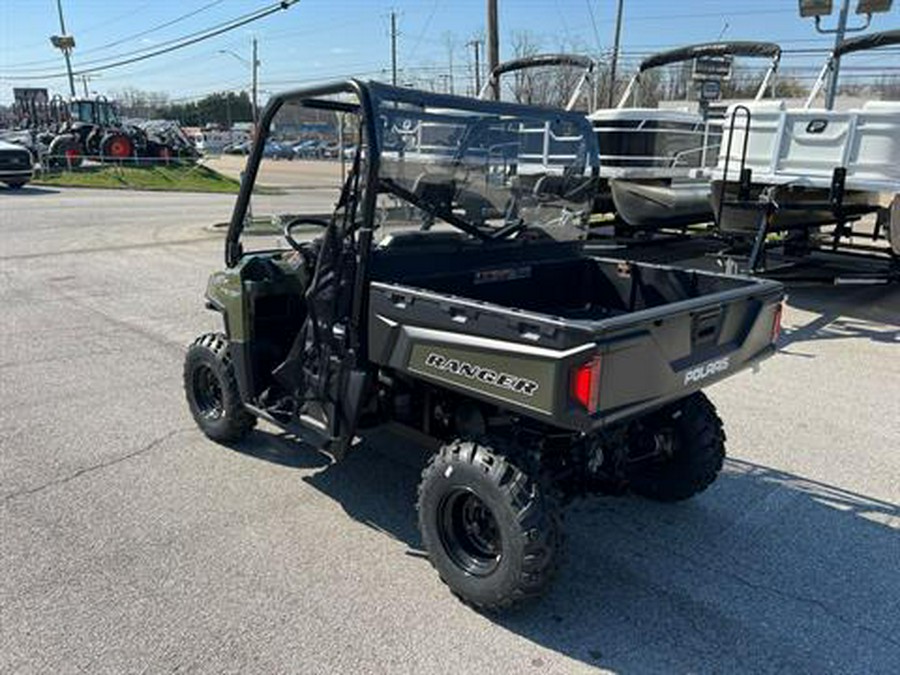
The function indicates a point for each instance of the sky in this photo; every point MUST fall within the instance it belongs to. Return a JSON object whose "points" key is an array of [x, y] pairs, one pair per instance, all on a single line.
{"points": [[320, 40]]}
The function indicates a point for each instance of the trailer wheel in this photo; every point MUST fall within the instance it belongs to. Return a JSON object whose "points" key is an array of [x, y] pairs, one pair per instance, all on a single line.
{"points": [[212, 392], [677, 452], [490, 529]]}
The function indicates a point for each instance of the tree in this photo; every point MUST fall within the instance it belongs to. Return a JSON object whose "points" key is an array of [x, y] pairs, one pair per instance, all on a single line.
{"points": [[551, 86], [138, 103], [222, 108]]}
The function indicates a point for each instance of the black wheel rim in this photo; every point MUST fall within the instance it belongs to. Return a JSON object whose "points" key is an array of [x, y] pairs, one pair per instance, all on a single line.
{"points": [[469, 532], [208, 393]]}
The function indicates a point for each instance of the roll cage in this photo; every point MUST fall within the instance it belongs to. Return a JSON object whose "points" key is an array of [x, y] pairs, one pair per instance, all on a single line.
{"points": [[364, 182]]}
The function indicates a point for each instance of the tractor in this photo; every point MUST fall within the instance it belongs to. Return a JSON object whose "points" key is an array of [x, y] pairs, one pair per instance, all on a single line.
{"points": [[68, 131]]}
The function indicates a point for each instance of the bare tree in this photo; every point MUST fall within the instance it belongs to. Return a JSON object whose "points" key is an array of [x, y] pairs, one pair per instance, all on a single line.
{"points": [[888, 88], [551, 86], [138, 103]]}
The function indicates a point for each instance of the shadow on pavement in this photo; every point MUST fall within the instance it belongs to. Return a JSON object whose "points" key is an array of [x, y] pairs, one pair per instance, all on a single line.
{"points": [[768, 571], [870, 313], [30, 190]]}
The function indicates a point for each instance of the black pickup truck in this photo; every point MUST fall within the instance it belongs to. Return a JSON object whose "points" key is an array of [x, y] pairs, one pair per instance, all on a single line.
{"points": [[449, 293]]}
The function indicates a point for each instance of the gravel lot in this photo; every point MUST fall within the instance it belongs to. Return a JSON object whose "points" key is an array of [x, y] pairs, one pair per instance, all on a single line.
{"points": [[130, 543]]}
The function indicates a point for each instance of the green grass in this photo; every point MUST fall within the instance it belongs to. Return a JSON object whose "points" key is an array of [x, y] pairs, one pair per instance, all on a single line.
{"points": [[172, 178]]}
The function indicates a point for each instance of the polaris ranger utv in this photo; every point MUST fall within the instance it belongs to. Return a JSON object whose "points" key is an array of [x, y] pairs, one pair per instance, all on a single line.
{"points": [[450, 294]]}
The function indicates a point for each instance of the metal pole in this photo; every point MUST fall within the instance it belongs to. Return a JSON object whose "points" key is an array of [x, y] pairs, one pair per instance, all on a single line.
{"points": [[493, 45], [838, 39], [84, 80], [341, 147], [477, 44], [450, 53], [65, 51], [394, 48], [615, 56], [254, 86]]}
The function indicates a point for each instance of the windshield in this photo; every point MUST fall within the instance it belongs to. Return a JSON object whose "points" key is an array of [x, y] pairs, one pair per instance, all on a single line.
{"points": [[491, 170], [481, 170]]}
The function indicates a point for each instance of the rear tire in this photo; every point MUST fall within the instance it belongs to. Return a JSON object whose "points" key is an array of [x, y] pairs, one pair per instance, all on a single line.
{"points": [[212, 391], [16, 184], [695, 457], [490, 529], [116, 145]]}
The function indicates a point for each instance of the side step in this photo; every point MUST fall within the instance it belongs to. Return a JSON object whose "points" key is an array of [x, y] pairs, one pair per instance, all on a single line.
{"points": [[309, 433]]}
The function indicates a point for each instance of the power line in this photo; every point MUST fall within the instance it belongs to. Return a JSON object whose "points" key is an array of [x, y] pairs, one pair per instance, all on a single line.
{"points": [[127, 38], [594, 24], [425, 28], [172, 22], [204, 35]]}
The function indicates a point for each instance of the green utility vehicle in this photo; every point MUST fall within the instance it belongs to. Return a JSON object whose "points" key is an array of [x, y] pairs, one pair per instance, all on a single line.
{"points": [[448, 292]]}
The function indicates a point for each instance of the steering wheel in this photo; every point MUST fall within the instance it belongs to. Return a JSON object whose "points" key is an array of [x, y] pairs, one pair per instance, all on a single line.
{"points": [[302, 220]]}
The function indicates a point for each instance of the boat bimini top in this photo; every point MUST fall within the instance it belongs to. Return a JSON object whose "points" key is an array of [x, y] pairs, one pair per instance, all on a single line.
{"points": [[681, 54], [858, 44], [586, 63]]}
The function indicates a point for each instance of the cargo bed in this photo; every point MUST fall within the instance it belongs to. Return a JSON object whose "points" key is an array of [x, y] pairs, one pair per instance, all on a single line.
{"points": [[533, 312]]}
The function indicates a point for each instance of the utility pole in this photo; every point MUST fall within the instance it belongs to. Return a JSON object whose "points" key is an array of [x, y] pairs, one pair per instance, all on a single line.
{"points": [[838, 39], [254, 88], [476, 44], [493, 45], [450, 56], [615, 55], [65, 43], [85, 78], [394, 48]]}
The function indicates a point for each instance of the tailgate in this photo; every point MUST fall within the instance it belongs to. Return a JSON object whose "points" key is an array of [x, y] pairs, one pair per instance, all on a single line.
{"points": [[664, 353]]}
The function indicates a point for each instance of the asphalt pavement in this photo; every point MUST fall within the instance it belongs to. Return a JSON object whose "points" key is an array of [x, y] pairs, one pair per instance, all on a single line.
{"points": [[131, 543]]}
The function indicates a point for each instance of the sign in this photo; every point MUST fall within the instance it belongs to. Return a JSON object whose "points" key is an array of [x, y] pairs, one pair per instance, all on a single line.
{"points": [[712, 68], [30, 95], [710, 90]]}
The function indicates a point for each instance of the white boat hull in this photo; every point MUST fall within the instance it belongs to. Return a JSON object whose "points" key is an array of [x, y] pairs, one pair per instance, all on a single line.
{"points": [[662, 203]]}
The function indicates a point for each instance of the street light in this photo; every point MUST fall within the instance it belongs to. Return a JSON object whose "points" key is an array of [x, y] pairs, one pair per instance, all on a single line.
{"points": [[815, 8], [64, 43], [253, 64], [235, 55], [820, 8], [874, 6]]}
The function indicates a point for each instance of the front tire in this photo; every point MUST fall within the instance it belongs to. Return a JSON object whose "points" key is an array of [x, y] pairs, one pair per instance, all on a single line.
{"points": [[490, 529], [689, 449], [212, 392], [65, 151]]}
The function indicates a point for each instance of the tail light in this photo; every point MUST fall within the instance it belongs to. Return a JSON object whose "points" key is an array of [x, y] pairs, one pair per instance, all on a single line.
{"points": [[586, 384], [776, 323]]}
